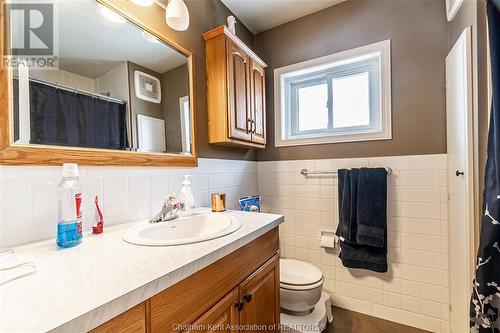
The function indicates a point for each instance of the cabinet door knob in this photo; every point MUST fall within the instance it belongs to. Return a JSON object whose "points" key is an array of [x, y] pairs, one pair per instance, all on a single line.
{"points": [[249, 126], [459, 173], [254, 127], [239, 305], [247, 297]]}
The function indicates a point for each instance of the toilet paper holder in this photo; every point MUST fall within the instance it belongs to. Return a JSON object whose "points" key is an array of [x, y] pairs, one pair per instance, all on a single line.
{"points": [[328, 239]]}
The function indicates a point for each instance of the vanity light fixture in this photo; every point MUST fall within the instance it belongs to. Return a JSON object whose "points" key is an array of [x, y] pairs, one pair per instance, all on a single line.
{"points": [[176, 12], [177, 15], [111, 15], [143, 3]]}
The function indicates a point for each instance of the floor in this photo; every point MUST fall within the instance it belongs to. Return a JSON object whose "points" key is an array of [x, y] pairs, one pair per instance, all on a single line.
{"points": [[346, 321]]}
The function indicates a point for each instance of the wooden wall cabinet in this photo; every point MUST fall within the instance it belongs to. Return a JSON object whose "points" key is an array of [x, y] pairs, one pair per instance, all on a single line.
{"points": [[235, 91], [239, 290]]}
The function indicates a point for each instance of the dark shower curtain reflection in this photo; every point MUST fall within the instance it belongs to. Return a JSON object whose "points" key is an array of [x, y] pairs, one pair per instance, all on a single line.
{"points": [[67, 118]]}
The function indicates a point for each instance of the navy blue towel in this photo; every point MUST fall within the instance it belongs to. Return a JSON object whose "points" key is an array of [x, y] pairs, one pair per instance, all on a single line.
{"points": [[363, 218]]}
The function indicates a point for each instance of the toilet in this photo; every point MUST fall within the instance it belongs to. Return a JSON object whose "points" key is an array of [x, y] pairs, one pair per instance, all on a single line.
{"points": [[301, 284]]}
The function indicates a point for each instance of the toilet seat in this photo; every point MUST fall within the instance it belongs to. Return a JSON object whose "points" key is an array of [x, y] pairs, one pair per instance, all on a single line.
{"points": [[299, 275], [301, 287]]}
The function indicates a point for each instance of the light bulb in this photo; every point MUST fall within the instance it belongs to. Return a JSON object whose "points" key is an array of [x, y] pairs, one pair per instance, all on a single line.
{"points": [[177, 15], [111, 15], [143, 3]]}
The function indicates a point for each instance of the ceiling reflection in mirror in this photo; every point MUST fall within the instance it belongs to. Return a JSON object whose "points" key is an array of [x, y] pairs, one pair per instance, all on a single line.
{"points": [[115, 87]]}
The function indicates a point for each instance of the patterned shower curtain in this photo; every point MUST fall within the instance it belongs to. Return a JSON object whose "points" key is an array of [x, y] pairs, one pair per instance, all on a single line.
{"points": [[485, 303]]}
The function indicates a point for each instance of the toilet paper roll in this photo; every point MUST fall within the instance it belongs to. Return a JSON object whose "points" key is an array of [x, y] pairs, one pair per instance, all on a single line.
{"points": [[327, 241]]}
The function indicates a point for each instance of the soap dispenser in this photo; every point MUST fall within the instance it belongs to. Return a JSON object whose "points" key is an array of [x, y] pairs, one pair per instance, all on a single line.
{"points": [[187, 197]]}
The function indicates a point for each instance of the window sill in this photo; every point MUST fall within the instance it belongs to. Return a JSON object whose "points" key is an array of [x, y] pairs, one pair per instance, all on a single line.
{"points": [[318, 140]]}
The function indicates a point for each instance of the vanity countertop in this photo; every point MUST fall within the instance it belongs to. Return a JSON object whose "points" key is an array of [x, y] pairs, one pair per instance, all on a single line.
{"points": [[77, 289]]}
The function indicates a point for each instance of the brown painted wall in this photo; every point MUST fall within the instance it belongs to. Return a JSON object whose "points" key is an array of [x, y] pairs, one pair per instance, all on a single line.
{"points": [[465, 17], [418, 30], [176, 85], [204, 15]]}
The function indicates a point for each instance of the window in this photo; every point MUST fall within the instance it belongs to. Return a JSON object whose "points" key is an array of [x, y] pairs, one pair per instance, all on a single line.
{"points": [[342, 97]]}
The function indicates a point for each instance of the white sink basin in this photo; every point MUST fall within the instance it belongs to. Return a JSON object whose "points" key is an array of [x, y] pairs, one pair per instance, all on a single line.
{"points": [[183, 230]]}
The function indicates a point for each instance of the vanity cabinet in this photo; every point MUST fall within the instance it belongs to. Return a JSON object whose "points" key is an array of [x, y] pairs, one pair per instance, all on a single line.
{"points": [[235, 91], [239, 289]]}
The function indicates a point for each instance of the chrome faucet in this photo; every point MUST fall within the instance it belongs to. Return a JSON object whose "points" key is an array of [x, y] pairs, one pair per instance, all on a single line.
{"points": [[169, 211]]}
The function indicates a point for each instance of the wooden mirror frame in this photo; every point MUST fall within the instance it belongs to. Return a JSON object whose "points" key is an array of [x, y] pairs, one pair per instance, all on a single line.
{"points": [[18, 154]]}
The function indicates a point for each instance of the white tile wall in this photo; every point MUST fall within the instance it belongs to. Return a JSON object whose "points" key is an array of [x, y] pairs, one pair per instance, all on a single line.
{"points": [[28, 205], [413, 292], [415, 289]]}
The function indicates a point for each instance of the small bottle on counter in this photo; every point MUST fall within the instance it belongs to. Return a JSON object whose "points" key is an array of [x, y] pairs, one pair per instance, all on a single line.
{"points": [[187, 197], [69, 208]]}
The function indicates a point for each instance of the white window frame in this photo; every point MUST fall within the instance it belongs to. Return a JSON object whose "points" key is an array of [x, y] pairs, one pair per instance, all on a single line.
{"points": [[315, 69]]}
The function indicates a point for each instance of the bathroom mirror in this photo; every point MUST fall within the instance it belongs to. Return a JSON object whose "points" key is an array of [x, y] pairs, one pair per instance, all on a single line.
{"points": [[116, 87]]}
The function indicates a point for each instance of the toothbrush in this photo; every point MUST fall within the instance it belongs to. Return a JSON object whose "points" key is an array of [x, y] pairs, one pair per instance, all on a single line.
{"points": [[97, 228]]}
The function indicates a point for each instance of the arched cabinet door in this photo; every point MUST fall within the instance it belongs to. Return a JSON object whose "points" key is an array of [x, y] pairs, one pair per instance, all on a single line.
{"points": [[258, 98], [240, 125]]}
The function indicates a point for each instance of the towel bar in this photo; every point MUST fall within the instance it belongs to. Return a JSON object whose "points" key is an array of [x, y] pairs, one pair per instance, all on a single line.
{"points": [[306, 172]]}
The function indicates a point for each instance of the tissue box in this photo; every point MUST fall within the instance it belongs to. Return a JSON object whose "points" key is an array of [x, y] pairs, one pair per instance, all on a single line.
{"points": [[250, 204]]}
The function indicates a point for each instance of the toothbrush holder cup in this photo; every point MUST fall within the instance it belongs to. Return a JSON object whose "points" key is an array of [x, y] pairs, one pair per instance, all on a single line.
{"points": [[218, 202]]}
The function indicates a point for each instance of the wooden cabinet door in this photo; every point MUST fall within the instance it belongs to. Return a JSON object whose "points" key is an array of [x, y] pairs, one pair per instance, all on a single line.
{"points": [[222, 317], [258, 99], [239, 93], [260, 293]]}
